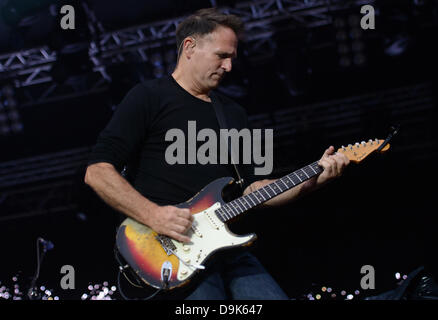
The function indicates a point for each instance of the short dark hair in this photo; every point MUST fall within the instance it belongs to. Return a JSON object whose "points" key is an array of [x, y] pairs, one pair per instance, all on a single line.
{"points": [[205, 21]]}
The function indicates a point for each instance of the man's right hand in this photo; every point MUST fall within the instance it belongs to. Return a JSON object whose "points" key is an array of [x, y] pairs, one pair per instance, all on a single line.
{"points": [[171, 221]]}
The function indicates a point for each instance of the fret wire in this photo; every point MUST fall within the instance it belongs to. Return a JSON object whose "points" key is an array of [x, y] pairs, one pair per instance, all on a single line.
{"points": [[239, 206], [246, 201], [266, 192], [229, 210], [305, 173], [223, 214], [309, 171], [298, 177], [233, 210], [275, 184], [260, 194], [252, 194], [269, 185], [243, 205], [287, 187], [313, 169], [291, 180], [316, 167], [251, 199], [226, 213], [219, 214], [266, 188]]}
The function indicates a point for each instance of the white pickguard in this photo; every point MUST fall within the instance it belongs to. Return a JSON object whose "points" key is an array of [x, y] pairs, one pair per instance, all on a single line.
{"points": [[208, 234]]}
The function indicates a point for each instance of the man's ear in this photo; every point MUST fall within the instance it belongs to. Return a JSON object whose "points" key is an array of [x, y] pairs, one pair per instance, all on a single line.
{"points": [[193, 42], [189, 44]]}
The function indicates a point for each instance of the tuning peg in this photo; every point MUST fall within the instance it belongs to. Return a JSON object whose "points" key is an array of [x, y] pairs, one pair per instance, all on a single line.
{"points": [[350, 146], [343, 148], [357, 144], [363, 142]]}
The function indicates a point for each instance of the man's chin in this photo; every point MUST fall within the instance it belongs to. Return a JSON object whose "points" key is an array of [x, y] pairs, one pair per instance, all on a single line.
{"points": [[215, 83]]}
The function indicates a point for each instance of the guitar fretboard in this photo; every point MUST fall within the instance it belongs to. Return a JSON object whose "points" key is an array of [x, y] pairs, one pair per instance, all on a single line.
{"points": [[234, 208]]}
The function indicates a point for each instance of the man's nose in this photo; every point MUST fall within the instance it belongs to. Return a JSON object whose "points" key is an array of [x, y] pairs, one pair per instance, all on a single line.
{"points": [[227, 65]]}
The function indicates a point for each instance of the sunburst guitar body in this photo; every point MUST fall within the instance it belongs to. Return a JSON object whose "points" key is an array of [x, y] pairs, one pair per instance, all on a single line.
{"points": [[149, 255]]}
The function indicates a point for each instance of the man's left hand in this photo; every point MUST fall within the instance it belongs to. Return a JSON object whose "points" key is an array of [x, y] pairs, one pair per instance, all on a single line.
{"points": [[333, 163]]}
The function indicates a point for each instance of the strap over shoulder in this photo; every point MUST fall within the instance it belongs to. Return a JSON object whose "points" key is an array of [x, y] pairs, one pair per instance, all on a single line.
{"points": [[221, 118]]}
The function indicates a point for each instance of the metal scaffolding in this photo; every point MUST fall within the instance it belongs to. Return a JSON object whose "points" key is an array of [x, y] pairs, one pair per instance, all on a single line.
{"points": [[32, 67]]}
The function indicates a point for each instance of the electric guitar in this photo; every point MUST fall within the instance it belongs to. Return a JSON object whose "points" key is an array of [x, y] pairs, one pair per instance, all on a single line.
{"points": [[164, 263]]}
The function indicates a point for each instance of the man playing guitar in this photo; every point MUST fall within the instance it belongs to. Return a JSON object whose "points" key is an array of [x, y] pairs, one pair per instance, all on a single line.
{"points": [[135, 137]]}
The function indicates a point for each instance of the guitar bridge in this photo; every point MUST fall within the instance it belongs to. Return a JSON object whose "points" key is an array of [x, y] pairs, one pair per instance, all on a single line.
{"points": [[166, 243]]}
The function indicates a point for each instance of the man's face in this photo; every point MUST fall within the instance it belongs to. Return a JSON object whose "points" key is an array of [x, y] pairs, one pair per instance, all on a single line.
{"points": [[212, 57]]}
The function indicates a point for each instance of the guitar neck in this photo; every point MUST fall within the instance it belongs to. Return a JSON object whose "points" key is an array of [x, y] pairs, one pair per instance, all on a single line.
{"points": [[244, 203]]}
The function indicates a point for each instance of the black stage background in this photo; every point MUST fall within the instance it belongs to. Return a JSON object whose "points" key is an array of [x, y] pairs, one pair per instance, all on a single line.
{"points": [[315, 82]]}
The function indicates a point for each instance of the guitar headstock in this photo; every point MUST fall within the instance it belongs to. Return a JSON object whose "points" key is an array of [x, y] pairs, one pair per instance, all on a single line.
{"points": [[359, 151]]}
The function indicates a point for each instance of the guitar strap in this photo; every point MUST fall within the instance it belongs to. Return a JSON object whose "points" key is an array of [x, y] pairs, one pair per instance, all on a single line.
{"points": [[218, 109]]}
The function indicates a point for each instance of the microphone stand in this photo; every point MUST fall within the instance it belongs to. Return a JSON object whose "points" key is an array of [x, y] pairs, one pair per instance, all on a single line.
{"points": [[33, 291]]}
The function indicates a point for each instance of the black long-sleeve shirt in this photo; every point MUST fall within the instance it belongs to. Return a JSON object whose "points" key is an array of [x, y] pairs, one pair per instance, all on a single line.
{"points": [[135, 137]]}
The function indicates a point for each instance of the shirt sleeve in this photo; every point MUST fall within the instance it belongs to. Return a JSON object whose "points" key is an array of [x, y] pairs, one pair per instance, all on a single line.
{"points": [[125, 132]]}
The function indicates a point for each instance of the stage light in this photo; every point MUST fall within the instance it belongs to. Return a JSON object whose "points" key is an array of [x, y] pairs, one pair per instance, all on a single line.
{"points": [[397, 275], [356, 33], [357, 46], [339, 23], [158, 72], [343, 48], [359, 59], [170, 57], [157, 60], [350, 297], [354, 20], [397, 45], [345, 61], [5, 130], [350, 47], [10, 120], [341, 35], [13, 115], [8, 91]]}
